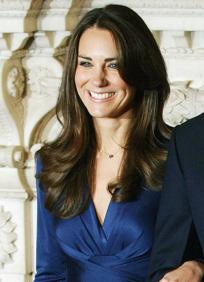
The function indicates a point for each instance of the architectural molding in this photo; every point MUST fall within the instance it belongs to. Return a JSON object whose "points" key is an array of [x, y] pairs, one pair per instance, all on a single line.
{"points": [[19, 15], [30, 16], [12, 156], [156, 4], [183, 52]]}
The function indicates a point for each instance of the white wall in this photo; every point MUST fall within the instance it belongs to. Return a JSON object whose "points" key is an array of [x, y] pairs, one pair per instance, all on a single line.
{"points": [[32, 39]]}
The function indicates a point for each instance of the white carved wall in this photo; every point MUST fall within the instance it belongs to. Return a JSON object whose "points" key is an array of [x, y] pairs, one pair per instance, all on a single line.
{"points": [[33, 34]]}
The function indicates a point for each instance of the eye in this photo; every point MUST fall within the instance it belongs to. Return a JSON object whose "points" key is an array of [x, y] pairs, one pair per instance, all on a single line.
{"points": [[85, 64], [113, 65]]}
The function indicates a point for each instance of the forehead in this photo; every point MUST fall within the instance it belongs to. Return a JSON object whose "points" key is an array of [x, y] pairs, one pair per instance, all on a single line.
{"points": [[96, 41]]}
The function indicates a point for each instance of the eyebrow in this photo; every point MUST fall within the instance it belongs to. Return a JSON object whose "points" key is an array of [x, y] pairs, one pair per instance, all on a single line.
{"points": [[90, 59]]}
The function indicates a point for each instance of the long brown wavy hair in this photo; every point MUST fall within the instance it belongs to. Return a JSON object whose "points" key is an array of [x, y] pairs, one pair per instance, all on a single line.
{"points": [[68, 162]]}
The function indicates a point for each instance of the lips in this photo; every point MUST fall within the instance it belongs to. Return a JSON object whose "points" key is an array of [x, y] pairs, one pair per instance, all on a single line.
{"points": [[102, 95]]}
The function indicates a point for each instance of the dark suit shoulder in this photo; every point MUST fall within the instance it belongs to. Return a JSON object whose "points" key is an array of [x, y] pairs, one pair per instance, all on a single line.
{"points": [[191, 131]]}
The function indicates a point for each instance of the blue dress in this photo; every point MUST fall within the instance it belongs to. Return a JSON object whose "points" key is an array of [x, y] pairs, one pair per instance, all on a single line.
{"points": [[80, 249]]}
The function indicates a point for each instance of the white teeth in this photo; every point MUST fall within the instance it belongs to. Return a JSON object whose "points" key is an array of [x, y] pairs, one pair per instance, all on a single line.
{"points": [[101, 96]]}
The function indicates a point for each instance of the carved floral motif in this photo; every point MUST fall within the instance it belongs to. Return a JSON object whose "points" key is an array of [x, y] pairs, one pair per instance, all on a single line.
{"points": [[183, 103], [7, 237], [13, 92], [16, 82], [43, 82]]}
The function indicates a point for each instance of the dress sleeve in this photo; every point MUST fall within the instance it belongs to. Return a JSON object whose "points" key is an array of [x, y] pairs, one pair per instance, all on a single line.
{"points": [[174, 221], [51, 262]]}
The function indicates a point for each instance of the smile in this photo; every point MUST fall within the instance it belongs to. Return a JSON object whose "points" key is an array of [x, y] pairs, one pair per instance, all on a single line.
{"points": [[101, 96]]}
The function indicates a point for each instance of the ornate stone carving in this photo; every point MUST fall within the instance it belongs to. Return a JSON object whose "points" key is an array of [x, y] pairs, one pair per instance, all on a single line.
{"points": [[8, 130], [176, 110], [16, 82], [13, 92], [184, 103], [7, 237], [42, 82]]}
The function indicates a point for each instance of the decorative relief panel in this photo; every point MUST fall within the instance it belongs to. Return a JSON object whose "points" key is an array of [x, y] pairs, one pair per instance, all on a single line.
{"points": [[7, 237], [43, 82], [184, 103], [8, 130], [13, 92], [16, 82]]}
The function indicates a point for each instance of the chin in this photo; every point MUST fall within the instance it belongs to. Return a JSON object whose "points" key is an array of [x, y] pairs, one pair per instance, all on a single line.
{"points": [[96, 114]]}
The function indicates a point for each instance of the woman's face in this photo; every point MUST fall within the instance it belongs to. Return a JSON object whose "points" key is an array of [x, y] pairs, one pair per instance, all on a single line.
{"points": [[103, 92]]}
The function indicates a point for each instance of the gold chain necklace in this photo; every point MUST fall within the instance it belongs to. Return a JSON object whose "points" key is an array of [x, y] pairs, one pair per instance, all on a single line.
{"points": [[110, 155]]}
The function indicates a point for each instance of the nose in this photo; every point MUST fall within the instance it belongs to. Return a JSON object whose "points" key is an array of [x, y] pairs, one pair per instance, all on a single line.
{"points": [[99, 78]]}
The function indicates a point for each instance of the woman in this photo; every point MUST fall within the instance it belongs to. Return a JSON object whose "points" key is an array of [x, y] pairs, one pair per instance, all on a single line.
{"points": [[98, 182]]}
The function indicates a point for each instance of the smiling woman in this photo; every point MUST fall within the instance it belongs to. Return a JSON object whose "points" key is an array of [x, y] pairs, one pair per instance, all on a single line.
{"points": [[99, 84], [99, 182]]}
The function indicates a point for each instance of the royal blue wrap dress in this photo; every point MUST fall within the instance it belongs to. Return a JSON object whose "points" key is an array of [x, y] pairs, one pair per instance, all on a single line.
{"points": [[80, 249]]}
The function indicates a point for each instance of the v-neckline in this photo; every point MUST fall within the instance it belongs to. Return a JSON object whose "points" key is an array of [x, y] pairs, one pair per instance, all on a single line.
{"points": [[106, 228], [102, 232], [101, 224], [93, 225]]}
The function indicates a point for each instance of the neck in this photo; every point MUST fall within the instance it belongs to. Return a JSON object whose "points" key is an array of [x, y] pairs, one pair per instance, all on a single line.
{"points": [[111, 133]]}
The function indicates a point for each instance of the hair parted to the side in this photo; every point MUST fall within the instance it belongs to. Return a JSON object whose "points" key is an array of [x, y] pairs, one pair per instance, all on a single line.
{"points": [[68, 162]]}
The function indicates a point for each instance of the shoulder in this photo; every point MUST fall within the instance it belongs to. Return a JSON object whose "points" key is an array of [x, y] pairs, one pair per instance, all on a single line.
{"points": [[188, 140], [190, 132], [194, 125]]}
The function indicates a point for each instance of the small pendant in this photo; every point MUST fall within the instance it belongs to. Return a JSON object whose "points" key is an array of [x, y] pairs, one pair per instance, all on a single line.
{"points": [[110, 156]]}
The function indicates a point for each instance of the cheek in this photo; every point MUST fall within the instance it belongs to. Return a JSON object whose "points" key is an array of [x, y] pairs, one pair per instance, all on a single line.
{"points": [[80, 78], [125, 88], [127, 91], [77, 78], [118, 82], [79, 82]]}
